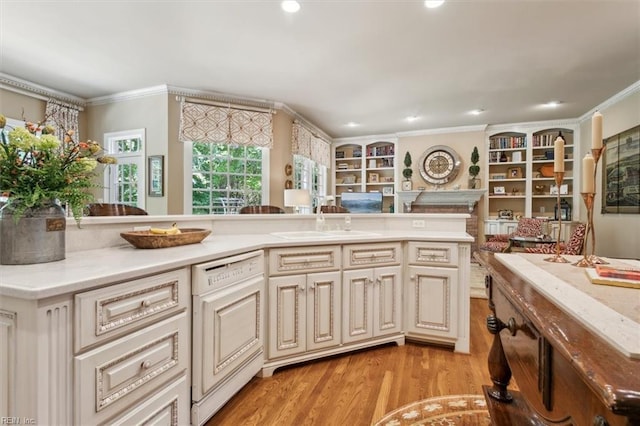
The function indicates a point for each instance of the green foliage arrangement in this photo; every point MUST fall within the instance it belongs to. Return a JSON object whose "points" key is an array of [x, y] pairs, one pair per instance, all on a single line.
{"points": [[407, 172], [36, 168], [474, 169]]}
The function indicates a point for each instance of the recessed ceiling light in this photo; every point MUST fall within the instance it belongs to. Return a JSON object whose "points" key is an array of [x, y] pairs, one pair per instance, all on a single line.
{"points": [[412, 118], [476, 112], [432, 4], [352, 124], [290, 6], [552, 104]]}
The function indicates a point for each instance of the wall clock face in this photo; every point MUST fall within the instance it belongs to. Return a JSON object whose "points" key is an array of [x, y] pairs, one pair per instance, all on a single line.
{"points": [[439, 165]]}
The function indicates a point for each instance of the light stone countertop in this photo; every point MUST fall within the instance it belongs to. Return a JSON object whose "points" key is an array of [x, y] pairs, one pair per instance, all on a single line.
{"points": [[83, 270]]}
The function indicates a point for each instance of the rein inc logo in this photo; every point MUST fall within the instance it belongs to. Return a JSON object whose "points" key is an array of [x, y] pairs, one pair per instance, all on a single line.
{"points": [[17, 421]]}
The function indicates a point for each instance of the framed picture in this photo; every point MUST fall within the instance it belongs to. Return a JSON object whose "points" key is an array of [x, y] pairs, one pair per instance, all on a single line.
{"points": [[155, 175], [387, 190], [621, 172], [514, 173], [374, 177], [499, 190]]}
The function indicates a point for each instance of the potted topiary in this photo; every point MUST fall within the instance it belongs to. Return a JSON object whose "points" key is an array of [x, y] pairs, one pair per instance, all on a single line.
{"points": [[407, 172], [474, 169]]}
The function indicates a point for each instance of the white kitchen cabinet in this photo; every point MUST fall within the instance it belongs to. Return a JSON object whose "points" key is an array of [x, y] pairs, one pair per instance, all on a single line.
{"points": [[372, 300], [437, 293], [304, 313], [371, 291]]}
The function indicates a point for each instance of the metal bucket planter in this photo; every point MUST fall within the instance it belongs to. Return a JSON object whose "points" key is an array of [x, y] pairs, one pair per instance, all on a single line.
{"points": [[36, 237]]}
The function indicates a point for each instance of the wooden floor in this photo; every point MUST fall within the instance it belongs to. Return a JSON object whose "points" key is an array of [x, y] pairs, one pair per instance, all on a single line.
{"points": [[359, 388]]}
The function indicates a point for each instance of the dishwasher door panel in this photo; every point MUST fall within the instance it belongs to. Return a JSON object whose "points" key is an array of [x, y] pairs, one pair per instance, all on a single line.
{"points": [[227, 333]]}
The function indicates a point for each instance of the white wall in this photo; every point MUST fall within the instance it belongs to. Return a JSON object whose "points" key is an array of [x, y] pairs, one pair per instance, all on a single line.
{"points": [[617, 235]]}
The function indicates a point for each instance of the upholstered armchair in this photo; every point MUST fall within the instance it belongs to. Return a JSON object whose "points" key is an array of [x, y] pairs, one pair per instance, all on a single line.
{"points": [[573, 246], [527, 227]]}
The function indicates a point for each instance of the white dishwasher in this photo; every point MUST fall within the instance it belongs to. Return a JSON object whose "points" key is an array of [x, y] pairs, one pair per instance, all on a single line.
{"points": [[227, 330]]}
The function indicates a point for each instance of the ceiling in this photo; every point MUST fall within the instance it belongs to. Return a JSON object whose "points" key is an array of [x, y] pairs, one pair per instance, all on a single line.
{"points": [[334, 62]]}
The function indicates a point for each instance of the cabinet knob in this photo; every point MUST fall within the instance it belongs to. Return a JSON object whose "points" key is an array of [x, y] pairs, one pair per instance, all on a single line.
{"points": [[146, 303], [301, 289], [146, 364], [378, 280], [412, 277], [312, 286]]}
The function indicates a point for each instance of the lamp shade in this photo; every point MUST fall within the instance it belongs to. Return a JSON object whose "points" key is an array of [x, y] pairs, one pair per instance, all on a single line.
{"points": [[297, 197]]}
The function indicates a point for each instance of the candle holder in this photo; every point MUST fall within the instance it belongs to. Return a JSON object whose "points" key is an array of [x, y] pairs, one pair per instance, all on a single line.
{"points": [[593, 259], [588, 198], [557, 258]]}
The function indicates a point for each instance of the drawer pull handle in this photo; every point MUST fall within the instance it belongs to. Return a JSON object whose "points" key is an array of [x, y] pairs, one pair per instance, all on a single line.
{"points": [[146, 364], [146, 303]]}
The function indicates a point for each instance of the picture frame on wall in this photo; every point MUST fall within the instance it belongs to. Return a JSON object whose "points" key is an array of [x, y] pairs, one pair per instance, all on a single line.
{"points": [[620, 172], [155, 175]]}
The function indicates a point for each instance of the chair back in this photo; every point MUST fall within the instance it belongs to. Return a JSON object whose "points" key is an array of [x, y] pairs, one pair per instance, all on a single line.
{"points": [[576, 241], [528, 227], [105, 209], [334, 209], [261, 210]]}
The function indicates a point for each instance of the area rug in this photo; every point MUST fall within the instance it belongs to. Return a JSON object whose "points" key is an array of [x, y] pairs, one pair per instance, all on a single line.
{"points": [[452, 410]]}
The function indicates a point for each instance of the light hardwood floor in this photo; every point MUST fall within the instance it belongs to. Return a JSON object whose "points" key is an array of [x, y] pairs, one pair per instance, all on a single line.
{"points": [[359, 388]]}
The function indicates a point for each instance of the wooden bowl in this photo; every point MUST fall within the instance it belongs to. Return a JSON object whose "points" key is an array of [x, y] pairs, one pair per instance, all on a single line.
{"points": [[147, 240]]}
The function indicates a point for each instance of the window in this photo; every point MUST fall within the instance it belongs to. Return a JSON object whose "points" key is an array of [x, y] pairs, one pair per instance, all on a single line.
{"points": [[226, 177], [124, 182], [312, 176]]}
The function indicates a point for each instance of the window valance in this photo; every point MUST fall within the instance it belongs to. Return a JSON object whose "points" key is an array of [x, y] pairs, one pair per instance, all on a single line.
{"points": [[63, 117], [201, 122], [306, 144]]}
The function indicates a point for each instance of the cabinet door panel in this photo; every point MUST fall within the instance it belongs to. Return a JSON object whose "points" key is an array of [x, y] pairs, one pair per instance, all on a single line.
{"points": [[387, 301], [324, 301], [432, 301], [287, 313], [357, 299]]}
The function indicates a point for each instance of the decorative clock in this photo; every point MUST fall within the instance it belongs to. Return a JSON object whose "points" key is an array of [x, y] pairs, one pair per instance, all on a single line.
{"points": [[439, 164]]}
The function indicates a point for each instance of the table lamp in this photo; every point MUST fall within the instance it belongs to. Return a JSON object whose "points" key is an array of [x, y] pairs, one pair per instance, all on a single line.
{"points": [[297, 198]]}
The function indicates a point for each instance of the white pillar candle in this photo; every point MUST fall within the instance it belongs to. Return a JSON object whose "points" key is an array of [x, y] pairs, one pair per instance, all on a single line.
{"points": [[588, 168], [596, 131], [558, 155]]}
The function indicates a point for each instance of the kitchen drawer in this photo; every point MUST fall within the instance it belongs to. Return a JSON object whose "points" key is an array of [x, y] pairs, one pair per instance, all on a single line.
{"points": [[304, 259], [171, 406], [110, 312], [365, 255], [433, 254], [113, 377]]}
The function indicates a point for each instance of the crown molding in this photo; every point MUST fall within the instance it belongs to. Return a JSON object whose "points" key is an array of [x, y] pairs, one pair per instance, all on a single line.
{"points": [[459, 129], [531, 125], [391, 137], [129, 95], [27, 88], [635, 87]]}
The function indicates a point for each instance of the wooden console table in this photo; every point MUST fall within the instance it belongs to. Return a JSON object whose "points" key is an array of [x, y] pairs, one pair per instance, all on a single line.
{"points": [[566, 374]]}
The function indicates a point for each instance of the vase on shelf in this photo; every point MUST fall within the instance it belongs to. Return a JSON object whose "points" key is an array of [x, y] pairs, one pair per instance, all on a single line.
{"points": [[37, 235]]}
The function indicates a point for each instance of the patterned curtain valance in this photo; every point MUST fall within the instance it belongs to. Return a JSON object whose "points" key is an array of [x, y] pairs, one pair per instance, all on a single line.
{"points": [[306, 144], [63, 117], [225, 124]]}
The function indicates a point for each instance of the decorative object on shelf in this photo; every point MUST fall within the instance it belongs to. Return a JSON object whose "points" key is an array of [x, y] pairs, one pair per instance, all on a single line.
{"points": [[439, 164], [499, 190], [288, 168], [474, 169], [505, 214], [498, 176], [407, 172], [514, 173], [374, 178], [38, 173], [288, 184], [563, 212], [589, 172], [539, 189], [503, 157], [387, 190], [546, 170], [517, 157], [564, 189]]}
